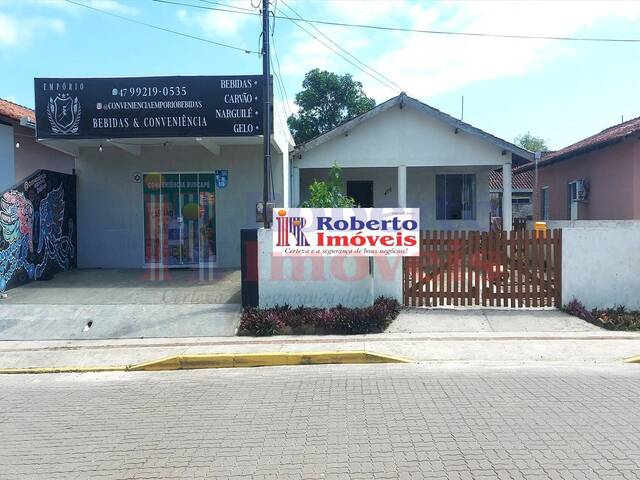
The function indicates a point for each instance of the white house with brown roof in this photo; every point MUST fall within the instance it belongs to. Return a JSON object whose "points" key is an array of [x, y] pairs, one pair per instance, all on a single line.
{"points": [[408, 154], [20, 153]]}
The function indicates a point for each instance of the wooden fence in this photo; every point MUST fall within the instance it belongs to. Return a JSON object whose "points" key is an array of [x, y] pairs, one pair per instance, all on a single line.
{"points": [[516, 269]]}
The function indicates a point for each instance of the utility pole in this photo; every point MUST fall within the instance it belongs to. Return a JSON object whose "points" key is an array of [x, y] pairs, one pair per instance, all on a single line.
{"points": [[266, 114]]}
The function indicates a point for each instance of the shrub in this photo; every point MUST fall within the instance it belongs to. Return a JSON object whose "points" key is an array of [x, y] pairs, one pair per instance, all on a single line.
{"points": [[341, 320], [388, 308], [350, 321], [577, 309], [261, 323], [618, 318]]}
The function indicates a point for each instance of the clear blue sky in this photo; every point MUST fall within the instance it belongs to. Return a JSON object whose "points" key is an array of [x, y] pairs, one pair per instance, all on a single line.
{"points": [[561, 91]]}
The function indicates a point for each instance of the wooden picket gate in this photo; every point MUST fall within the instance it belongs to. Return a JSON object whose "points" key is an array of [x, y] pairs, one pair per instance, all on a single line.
{"points": [[499, 269]]}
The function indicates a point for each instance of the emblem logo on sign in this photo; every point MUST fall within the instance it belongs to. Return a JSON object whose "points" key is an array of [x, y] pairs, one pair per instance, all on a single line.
{"points": [[222, 178], [63, 113]]}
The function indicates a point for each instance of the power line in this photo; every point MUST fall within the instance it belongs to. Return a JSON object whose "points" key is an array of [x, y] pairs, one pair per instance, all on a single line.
{"points": [[345, 58], [376, 72], [288, 111], [283, 92], [167, 30], [413, 30], [211, 2]]}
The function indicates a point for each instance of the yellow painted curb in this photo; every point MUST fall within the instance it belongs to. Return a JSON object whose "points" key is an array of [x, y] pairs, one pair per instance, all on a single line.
{"points": [[635, 359], [227, 360]]}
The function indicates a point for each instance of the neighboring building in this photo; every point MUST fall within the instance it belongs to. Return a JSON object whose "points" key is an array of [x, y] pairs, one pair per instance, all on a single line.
{"points": [[20, 153], [167, 200], [406, 153], [597, 178], [521, 201]]}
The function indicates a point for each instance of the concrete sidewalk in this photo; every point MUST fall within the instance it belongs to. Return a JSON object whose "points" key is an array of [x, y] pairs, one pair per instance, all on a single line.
{"points": [[503, 348], [96, 304], [486, 320], [478, 336]]}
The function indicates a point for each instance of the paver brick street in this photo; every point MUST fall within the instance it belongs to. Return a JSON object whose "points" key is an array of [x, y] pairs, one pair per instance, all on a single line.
{"points": [[329, 422]]}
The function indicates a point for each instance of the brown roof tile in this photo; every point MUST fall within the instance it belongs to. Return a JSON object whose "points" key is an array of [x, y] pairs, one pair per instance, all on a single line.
{"points": [[15, 112], [606, 137], [522, 180]]}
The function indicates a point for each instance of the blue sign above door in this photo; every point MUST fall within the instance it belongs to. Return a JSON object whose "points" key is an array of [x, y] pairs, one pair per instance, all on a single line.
{"points": [[222, 178]]}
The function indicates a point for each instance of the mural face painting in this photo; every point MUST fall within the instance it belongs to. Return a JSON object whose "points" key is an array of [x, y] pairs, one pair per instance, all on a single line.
{"points": [[54, 244], [43, 207], [16, 223]]}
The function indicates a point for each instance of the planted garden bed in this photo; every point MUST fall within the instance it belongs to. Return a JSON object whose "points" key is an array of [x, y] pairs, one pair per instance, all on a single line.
{"points": [[339, 320], [618, 318]]}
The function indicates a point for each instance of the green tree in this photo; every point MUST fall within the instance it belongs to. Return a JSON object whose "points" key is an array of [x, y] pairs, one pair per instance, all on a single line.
{"points": [[329, 194], [532, 143], [326, 100]]}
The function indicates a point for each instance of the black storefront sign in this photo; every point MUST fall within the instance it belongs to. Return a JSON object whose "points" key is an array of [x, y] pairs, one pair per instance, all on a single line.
{"points": [[149, 107]]}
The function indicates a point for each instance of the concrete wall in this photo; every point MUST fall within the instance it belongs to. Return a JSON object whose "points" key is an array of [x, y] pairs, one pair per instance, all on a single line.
{"points": [[111, 209], [601, 264], [32, 156], [614, 183], [403, 137], [7, 157], [324, 281]]}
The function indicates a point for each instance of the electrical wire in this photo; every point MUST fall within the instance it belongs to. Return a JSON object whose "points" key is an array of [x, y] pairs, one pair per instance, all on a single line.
{"points": [[376, 72], [283, 93], [344, 57], [414, 30], [211, 2], [167, 30]]}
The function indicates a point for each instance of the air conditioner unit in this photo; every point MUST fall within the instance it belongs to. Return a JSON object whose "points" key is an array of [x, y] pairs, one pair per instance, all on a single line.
{"points": [[581, 191]]}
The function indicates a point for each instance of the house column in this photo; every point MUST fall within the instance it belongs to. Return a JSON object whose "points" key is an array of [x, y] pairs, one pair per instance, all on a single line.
{"points": [[507, 186], [295, 187], [402, 186]]}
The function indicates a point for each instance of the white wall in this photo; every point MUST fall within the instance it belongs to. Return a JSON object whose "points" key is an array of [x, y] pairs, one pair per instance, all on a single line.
{"points": [[593, 224], [32, 156], [601, 264], [403, 137], [324, 281], [110, 204], [7, 157]]}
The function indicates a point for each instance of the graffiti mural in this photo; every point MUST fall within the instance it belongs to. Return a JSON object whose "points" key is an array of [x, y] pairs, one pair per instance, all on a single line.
{"points": [[53, 244], [42, 209]]}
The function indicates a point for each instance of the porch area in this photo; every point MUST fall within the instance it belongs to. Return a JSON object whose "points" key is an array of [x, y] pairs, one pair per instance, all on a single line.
{"points": [[449, 197], [123, 303]]}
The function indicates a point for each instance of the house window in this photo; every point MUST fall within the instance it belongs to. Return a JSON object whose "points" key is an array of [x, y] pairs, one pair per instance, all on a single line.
{"points": [[455, 197], [544, 203]]}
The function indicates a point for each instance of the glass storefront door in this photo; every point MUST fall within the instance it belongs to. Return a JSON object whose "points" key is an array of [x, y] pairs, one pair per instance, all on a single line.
{"points": [[179, 219]]}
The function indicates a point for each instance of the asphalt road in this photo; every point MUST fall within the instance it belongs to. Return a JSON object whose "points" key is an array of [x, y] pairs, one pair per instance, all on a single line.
{"points": [[395, 421]]}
